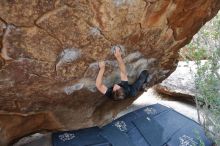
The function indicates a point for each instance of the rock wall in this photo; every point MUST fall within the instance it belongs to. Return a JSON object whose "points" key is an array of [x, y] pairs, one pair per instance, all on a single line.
{"points": [[50, 49]]}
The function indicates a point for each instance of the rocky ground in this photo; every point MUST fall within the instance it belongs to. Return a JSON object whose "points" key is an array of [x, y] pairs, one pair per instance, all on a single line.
{"points": [[147, 98]]}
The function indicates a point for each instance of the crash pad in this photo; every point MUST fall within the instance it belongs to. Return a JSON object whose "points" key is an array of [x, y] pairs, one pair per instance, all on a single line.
{"points": [[154, 125]]}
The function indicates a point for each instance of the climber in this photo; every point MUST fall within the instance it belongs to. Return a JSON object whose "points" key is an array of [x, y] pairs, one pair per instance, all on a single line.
{"points": [[122, 90]]}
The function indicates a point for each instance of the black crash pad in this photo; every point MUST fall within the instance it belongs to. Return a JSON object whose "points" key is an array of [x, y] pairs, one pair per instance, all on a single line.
{"points": [[151, 110], [84, 137], [154, 125], [159, 129], [189, 135], [123, 132]]}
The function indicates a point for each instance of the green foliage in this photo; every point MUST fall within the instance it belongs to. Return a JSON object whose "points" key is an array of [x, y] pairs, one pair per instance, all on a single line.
{"points": [[206, 45], [198, 137]]}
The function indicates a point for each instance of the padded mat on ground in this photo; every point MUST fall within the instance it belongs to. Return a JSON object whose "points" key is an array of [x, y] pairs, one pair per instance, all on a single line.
{"points": [[84, 137], [123, 128], [154, 125], [159, 129], [151, 110], [189, 135]]}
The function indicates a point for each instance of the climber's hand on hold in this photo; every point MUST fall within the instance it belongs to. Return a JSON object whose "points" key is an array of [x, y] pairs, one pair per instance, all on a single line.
{"points": [[117, 52], [101, 64]]}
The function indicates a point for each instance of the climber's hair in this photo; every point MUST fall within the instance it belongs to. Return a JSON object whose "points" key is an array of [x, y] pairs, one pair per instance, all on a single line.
{"points": [[119, 94]]}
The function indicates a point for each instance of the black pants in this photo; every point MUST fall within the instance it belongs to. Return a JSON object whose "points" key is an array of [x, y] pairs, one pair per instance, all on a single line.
{"points": [[138, 84]]}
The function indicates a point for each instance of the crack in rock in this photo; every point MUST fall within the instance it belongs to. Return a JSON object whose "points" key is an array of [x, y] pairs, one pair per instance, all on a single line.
{"points": [[51, 35]]}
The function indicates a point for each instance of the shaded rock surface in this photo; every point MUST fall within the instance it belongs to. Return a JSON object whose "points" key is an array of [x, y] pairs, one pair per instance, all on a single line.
{"points": [[181, 83], [50, 49]]}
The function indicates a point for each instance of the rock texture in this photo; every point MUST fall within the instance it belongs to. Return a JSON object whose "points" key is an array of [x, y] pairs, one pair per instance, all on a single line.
{"points": [[50, 49], [181, 83]]}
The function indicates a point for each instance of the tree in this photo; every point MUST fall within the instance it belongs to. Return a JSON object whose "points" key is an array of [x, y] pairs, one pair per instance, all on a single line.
{"points": [[206, 45]]}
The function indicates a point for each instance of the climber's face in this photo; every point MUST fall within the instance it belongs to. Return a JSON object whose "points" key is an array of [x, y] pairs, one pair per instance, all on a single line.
{"points": [[116, 87]]}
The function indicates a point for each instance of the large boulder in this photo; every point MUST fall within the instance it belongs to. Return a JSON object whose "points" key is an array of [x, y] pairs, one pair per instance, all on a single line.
{"points": [[181, 83], [50, 49]]}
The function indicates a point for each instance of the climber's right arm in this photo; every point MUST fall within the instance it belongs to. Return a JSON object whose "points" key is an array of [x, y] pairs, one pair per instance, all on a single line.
{"points": [[100, 86], [123, 72]]}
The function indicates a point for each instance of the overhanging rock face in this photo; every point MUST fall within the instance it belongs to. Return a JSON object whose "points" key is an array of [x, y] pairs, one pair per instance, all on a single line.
{"points": [[50, 49]]}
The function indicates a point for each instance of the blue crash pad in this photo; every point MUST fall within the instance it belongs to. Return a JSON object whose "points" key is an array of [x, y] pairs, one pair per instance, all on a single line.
{"points": [[154, 125]]}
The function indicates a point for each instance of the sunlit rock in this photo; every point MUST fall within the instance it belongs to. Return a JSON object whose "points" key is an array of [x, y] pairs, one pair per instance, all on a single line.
{"points": [[181, 83]]}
